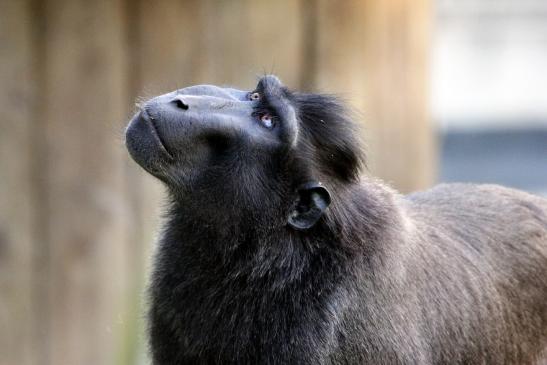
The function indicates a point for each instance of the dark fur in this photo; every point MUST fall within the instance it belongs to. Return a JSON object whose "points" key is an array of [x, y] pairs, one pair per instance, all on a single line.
{"points": [[452, 275]]}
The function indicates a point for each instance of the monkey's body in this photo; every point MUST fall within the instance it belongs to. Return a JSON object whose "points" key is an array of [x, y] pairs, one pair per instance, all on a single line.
{"points": [[253, 268], [482, 273], [467, 284], [470, 275]]}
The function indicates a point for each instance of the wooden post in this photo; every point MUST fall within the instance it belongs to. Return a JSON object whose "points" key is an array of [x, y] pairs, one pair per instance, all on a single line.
{"points": [[247, 39], [227, 42], [84, 105], [375, 54], [17, 206]]}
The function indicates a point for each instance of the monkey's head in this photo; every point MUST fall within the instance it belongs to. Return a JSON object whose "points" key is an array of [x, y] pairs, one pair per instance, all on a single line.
{"points": [[270, 152]]}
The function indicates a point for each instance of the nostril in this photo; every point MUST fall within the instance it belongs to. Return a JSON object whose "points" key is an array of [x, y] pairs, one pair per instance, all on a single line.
{"points": [[180, 104]]}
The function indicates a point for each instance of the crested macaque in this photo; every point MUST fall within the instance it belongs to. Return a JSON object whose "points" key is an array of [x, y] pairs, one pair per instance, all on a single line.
{"points": [[277, 248]]}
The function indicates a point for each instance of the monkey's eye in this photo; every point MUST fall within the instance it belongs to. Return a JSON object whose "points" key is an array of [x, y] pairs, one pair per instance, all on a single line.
{"points": [[267, 121], [254, 96]]}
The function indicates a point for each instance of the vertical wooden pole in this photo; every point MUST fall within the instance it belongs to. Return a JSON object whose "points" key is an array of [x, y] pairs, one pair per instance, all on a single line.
{"points": [[84, 98], [17, 96], [375, 54], [226, 42], [246, 39]]}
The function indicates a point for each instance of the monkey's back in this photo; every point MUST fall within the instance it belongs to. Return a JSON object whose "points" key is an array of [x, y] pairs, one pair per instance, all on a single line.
{"points": [[481, 272]]}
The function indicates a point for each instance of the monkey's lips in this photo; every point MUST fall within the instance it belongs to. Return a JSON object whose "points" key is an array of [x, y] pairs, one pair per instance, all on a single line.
{"points": [[155, 131], [145, 145]]}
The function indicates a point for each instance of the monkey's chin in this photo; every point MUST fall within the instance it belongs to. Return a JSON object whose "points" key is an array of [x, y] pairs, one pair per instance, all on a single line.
{"points": [[145, 146]]}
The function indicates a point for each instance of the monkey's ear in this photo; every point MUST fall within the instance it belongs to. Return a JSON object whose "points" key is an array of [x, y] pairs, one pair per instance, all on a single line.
{"points": [[313, 198]]}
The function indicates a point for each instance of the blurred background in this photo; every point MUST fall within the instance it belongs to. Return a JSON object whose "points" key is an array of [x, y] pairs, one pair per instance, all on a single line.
{"points": [[446, 90]]}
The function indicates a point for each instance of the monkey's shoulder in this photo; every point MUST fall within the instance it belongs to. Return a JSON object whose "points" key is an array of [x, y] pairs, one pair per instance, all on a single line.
{"points": [[476, 199], [483, 213]]}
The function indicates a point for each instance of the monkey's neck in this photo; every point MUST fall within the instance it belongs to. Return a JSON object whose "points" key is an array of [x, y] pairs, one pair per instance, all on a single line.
{"points": [[251, 300], [217, 290], [360, 216]]}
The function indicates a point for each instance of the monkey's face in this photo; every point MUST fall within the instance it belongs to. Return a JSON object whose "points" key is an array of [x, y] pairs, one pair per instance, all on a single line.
{"points": [[268, 150], [184, 134]]}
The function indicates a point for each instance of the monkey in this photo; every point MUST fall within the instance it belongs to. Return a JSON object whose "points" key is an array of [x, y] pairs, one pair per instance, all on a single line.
{"points": [[278, 248]]}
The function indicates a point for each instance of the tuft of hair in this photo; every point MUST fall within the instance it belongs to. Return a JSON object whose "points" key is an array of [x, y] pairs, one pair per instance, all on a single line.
{"points": [[331, 134]]}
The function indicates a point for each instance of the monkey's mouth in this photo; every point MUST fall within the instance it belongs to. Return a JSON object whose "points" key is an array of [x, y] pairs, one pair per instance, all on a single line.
{"points": [[156, 133]]}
